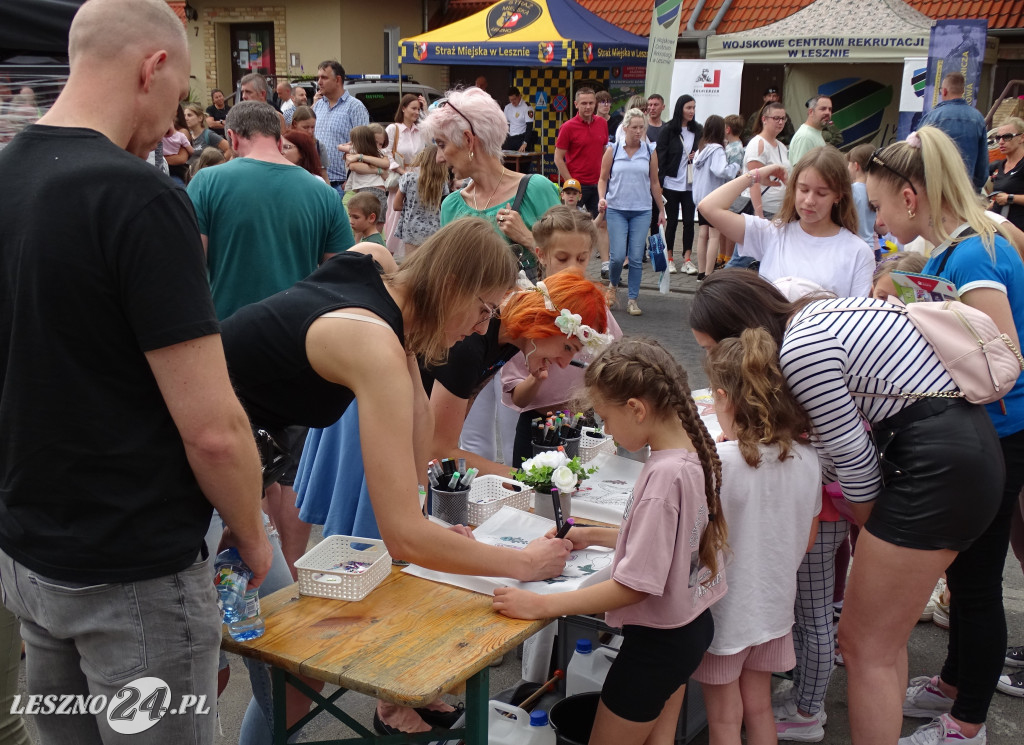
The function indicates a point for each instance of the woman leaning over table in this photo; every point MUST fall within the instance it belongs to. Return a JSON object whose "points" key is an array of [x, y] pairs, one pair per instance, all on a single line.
{"points": [[472, 147], [629, 178], [920, 188], [404, 143], [927, 487], [352, 331]]}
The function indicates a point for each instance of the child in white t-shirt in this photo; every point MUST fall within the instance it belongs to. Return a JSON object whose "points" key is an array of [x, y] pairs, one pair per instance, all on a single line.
{"points": [[665, 574], [770, 498], [814, 234]]}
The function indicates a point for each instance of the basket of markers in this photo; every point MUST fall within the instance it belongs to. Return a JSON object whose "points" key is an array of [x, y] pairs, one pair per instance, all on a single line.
{"points": [[593, 443], [343, 568], [458, 495], [557, 429]]}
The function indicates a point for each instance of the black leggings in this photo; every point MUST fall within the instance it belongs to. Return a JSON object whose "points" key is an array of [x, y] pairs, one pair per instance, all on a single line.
{"points": [[675, 199], [977, 624]]}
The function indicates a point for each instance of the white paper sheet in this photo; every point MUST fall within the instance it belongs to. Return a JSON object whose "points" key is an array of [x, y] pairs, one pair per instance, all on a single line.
{"points": [[514, 528], [603, 496]]}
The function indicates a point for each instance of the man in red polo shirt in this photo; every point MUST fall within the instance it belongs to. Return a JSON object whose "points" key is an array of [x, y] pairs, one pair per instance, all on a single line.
{"points": [[578, 152]]}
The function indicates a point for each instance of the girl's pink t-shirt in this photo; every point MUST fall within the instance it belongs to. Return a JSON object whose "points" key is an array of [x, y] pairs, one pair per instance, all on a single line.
{"points": [[658, 545], [173, 143]]}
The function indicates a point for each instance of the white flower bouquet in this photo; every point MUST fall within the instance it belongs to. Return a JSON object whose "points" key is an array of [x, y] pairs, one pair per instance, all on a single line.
{"points": [[552, 468]]}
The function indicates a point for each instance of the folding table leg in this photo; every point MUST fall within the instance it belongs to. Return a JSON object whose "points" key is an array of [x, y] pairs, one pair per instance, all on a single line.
{"points": [[477, 694]]}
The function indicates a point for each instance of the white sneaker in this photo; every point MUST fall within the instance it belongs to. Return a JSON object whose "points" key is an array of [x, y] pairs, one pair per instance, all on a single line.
{"points": [[689, 268], [928, 613], [943, 731], [633, 309], [790, 724], [924, 699], [671, 267]]}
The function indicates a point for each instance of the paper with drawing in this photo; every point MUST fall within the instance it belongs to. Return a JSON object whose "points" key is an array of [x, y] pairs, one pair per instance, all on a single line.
{"points": [[514, 528]]}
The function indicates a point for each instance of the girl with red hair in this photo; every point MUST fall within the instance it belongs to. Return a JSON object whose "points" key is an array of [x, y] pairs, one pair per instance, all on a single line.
{"points": [[549, 324]]}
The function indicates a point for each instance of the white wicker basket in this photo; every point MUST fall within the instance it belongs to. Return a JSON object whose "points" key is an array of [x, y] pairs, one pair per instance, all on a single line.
{"points": [[488, 494], [330, 570], [591, 447]]}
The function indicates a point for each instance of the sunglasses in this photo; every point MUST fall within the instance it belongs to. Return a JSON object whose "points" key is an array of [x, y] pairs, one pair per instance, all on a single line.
{"points": [[441, 103], [1003, 138], [876, 160]]}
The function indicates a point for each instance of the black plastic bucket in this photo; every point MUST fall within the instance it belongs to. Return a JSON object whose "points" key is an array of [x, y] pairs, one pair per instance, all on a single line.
{"points": [[572, 718]]}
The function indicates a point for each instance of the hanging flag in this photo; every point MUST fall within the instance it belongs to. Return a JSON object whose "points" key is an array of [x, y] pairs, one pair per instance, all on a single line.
{"points": [[661, 50], [955, 46]]}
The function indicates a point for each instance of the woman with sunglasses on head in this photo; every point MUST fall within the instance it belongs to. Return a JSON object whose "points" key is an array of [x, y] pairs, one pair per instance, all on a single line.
{"points": [[926, 488], [1008, 177], [920, 188], [814, 235], [469, 129]]}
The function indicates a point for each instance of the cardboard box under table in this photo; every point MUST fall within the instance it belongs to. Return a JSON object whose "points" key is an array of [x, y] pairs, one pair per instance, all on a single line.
{"points": [[407, 642]]}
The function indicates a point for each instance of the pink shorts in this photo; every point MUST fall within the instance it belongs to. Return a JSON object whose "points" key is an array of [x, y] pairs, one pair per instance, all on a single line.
{"points": [[772, 656]]}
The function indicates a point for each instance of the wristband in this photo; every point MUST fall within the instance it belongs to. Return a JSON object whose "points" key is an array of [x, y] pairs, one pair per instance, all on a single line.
{"points": [[1009, 198], [360, 157]]}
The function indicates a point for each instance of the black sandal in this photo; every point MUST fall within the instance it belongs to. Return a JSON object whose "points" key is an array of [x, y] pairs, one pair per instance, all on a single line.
{"points": [[442, 719]]}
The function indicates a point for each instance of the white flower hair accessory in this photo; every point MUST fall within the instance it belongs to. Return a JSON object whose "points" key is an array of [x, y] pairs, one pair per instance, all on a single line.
{"points": [[571, 324], [914, 140]]}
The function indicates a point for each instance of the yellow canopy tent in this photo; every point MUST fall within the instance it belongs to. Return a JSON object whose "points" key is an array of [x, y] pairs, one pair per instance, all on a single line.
{"points": [[527, 33]]}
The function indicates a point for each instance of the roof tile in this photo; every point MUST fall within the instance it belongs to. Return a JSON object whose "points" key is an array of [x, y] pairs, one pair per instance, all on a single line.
{"points": [[635, 15]]}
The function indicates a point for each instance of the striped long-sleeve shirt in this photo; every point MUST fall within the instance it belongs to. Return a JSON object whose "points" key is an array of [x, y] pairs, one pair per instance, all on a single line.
{"points": [[828, 358]]}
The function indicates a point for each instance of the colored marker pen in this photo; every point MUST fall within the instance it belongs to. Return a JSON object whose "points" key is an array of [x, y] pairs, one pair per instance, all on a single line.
{"points": [[467, 480], [556, 505], [454, 482], [433, 479], [461, 465], [564, 530]]}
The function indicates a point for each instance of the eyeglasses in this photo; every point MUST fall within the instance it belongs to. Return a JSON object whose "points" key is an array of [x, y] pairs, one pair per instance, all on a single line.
{"points": [[442, 102], [777, 119], [1003, 138], [489, 311], [876, 160]]}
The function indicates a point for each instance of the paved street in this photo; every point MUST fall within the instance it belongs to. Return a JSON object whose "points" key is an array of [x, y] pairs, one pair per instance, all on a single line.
{"points": [[665, 318]]}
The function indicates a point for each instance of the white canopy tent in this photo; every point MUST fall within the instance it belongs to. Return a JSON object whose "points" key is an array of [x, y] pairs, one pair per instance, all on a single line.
{"points": [[831, 31]]}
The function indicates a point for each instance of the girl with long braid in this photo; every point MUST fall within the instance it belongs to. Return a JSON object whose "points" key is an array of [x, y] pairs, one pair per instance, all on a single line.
{"points": [[665, 574]]}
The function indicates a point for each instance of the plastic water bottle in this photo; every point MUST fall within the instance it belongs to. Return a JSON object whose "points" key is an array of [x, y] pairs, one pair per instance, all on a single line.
{"points": [[231, 579], [250, 625], [540, 730], [510, 725], [588, 668]]}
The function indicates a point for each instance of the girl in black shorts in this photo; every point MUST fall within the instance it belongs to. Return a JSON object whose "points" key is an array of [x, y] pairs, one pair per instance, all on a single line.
{"points": [[665, 571]]}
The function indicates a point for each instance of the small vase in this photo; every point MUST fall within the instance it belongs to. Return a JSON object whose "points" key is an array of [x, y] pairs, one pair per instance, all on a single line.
{"points": [[543, 505]]}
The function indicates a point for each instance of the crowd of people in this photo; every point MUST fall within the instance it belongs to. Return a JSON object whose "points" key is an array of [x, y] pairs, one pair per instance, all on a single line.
{"points": [[407, 296]]}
